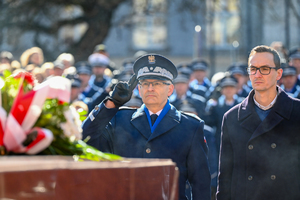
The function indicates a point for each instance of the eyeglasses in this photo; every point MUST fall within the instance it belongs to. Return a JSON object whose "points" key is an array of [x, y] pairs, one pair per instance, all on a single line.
{"points": [[155, 84], [263, 70]]}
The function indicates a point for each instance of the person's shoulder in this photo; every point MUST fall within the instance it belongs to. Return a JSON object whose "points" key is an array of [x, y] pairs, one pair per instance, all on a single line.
{"points": [[125, 111], [285, 97], [233, 110], [296, 101], [292, 104], [106, 78], [191, 116], [126, 108]]}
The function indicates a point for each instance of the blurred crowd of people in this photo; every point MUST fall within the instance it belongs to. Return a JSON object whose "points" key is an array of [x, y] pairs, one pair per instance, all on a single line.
{"points": [[93, 79]]}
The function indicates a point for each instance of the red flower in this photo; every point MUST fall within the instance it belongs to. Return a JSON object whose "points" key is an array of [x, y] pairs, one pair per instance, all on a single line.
{"points": [[28, 77]]}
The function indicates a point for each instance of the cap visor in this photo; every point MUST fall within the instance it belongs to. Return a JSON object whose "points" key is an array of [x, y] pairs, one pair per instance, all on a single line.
{"points": [[288, 74], [154, 77]]}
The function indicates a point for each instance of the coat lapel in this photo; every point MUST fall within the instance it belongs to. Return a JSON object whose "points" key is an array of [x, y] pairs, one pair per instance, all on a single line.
{"points": [[140, 122], [171, 119], [247, 115], [269, 123], [250, 119]]}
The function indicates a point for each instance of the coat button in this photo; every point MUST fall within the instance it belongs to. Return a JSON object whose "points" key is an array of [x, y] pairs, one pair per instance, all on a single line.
{"points": [[250, 147], [273, 145], [148, 150], [250, 178], [273, 177]]}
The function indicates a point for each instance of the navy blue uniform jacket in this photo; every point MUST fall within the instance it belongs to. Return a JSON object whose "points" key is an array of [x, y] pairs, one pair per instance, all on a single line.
{"points": [[178, 136], [260, 160]]}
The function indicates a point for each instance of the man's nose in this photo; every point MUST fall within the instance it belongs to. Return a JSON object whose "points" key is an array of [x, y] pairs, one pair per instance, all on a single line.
{"points": [[258, 74], [150, 86]]}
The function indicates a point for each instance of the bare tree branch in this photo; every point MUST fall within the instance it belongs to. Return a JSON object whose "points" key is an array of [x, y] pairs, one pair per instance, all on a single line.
{"points": [[47, 18]]}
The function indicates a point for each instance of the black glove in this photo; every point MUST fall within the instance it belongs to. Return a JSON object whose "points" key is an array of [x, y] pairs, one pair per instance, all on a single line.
{"points": [[123, 91]]}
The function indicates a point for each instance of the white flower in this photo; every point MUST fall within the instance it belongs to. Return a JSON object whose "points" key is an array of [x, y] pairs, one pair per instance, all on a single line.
{"points": [[72, 127]]}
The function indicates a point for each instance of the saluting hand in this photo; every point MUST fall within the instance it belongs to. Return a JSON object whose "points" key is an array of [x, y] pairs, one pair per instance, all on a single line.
{"points": [[123, 91]]}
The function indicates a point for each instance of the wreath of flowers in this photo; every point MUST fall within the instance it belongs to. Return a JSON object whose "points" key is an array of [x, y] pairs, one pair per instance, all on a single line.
{"points": [[38, 119]]}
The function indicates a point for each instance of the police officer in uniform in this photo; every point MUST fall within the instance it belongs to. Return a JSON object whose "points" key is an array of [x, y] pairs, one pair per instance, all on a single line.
{"points": [[75, 86], [99, 81], [201, 84], [216, 109], [289, 82], [239, 72], [294, 60], [213, 158], [182, 94], [135, 133]]}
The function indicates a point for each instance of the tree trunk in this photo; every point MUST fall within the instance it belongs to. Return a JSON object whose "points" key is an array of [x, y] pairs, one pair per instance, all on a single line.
{"points": [[99, 23]]}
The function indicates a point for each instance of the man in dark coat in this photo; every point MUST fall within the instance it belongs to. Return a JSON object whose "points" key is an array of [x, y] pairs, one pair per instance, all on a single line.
{"points": [[132, 133], [260, 146]]}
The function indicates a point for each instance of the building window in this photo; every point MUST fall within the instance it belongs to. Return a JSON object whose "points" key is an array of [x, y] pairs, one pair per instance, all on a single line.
{"points": [[224, 23], [149, 30]]}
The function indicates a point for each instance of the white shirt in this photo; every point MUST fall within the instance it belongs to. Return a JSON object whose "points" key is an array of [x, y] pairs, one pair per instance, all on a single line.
{"points": [[158, 113]]}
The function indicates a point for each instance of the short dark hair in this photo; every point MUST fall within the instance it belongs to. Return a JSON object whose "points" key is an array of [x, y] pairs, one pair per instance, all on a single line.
{"points": [[264, 48]]}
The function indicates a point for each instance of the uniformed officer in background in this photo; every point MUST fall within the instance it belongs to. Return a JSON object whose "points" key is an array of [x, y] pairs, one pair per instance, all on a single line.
{"points": [[99, 81], [216, 109], [75, 87], [289, 82], [201, 84], [182, 93], [213, 158], [239, 72], [135, 133], [294, 60]]}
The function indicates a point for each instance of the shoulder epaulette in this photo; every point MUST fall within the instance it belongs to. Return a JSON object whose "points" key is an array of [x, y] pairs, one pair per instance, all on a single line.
{"points": [[126, 108], [208, 128], [191, 115]]}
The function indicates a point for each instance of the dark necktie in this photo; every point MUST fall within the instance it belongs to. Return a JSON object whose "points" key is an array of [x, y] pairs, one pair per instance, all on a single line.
{"points": [[153, 118]]}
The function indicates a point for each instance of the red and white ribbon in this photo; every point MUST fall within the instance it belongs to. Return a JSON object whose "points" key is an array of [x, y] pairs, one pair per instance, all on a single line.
{"points": [[42, 141], [3, 115], [26, 110]]}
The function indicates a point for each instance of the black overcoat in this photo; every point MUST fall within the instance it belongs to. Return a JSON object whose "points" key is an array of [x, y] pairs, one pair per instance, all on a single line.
{"points": [[260, 159]]}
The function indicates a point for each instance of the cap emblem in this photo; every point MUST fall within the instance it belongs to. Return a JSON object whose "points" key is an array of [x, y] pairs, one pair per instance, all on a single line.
{"points": [[151, 59]]}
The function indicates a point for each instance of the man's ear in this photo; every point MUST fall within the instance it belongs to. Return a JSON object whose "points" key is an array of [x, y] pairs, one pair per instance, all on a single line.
{"points": [[170, 90], [279, 74]]}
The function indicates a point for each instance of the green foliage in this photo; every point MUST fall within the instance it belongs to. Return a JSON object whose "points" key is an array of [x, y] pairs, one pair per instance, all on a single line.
{"points": [[11, 88], [91, 153], [52, 115]]}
